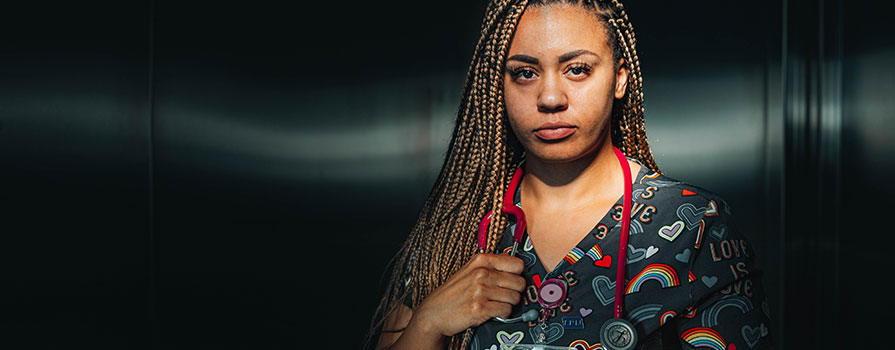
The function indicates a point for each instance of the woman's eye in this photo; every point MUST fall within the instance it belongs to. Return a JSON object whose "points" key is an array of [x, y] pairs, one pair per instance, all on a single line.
{"points": [[523, 73], [579, 70], [527, 74]]}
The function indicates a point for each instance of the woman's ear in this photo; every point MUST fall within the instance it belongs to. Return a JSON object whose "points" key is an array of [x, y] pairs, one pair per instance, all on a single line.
{"points": [[621, 79]]}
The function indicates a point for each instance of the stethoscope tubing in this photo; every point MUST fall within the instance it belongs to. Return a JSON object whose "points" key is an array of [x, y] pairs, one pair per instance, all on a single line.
{"points": [[510, 208], [621, 260]]}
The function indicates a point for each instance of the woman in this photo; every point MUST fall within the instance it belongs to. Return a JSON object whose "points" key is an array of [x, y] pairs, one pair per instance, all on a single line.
{"points": [[554, 91]]}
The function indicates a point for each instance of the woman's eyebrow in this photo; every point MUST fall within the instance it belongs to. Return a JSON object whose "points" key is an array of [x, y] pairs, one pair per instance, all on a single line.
{"points": [[565, 57], [570, 55]]}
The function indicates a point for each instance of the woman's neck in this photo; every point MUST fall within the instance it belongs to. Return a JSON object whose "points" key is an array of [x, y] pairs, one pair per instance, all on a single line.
{"points": [[566, 186]]}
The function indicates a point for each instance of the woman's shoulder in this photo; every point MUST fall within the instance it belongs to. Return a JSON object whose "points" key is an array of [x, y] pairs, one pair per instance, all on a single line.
{"points": [[685, 238], [658, 189], [670, 214]]}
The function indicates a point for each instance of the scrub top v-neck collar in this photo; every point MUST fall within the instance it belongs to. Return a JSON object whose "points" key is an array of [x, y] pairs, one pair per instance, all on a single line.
{"points": [[586, 243]]}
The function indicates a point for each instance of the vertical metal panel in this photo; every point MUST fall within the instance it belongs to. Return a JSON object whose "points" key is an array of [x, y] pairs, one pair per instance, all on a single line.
{"points": [[73, 149], [868, 157], [713, 89], [812, 102]]}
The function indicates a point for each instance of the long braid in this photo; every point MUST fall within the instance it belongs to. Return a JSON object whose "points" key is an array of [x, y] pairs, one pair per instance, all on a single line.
{"points": [[634, 142], [495, 149], [483, 153]]}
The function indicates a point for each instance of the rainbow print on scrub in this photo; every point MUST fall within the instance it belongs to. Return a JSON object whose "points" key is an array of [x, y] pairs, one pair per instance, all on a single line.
{"points": [[667, 316], [595, 253], [662, 273], [702, 337], [574, 255]]}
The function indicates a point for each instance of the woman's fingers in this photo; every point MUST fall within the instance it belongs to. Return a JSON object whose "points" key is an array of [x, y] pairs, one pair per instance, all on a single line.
{"points": [[499, 309], [488, 286], [488, 277], [509, 281], [503, 295], [506, 263], [494, 278], [499, 262], [488, 309]]}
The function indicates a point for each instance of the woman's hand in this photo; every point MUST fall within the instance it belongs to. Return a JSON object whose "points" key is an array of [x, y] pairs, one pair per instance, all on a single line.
{"points": [[487, 286]]}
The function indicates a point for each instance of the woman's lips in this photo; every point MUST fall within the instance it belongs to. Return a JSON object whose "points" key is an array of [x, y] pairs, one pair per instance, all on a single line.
{"points": [[554, 131]]}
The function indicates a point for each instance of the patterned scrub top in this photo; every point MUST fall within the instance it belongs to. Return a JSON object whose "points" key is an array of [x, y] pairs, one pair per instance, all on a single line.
{"points": [[691, 280]]}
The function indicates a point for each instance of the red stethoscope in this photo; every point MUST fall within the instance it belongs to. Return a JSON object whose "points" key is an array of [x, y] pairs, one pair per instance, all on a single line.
{"points": [[617, 333]]}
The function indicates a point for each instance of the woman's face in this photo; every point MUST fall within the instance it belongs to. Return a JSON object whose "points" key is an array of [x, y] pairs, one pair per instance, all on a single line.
{"points": [[560, 82]]}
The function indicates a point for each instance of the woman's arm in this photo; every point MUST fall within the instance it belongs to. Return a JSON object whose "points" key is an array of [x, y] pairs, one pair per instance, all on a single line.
{"points": [[487, 286], [398, 333], [729, 308]]}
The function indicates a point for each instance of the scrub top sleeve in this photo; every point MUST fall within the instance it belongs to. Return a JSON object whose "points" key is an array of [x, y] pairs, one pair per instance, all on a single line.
{"points": [[728, 308]]}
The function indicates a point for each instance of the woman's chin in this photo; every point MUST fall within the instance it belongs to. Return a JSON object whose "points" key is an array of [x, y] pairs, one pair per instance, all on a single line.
{"points": [[558, 155]]}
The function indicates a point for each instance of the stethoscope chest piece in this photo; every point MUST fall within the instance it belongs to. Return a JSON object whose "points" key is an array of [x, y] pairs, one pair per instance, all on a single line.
{"points": [[618, 334]]}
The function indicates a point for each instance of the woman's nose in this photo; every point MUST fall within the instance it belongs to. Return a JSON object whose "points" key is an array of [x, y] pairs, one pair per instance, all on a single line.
{"points": [[552, 97]]}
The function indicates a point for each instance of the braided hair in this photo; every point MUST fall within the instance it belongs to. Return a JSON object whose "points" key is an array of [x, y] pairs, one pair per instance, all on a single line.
{"points": [[483, 153]]}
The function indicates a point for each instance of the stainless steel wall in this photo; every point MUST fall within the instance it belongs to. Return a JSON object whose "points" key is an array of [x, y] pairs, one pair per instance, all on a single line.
{"points": [[216, 174], [74, 151]]}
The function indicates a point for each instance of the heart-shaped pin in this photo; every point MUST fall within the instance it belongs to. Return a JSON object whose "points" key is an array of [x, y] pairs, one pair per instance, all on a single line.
{"points": [[751, 335], [671, 232], [651, 250], [551, 332], [711, 209], [690, 214], [709, 280], [635, 254], [507, 340], [527, 246], [604, 262], [718, 231], [584, 312], [604, 289], [683, 256]]}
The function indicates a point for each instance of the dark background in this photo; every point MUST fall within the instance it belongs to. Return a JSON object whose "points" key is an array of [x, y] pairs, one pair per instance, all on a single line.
{"points": [[198, 175]]}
